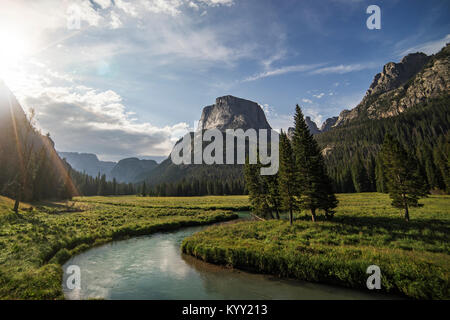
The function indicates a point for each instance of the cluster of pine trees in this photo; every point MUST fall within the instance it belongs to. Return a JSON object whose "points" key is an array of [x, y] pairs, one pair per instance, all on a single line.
{"points": [[301, 183], [87, 185], [352, 159], [195, 187]]}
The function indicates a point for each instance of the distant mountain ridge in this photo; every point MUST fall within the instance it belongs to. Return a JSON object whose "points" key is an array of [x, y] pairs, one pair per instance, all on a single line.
{"points": [[126, 170], [88, 163]]}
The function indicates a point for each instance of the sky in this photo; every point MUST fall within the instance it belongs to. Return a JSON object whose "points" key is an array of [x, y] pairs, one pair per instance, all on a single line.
{"points": [[122, 78]]}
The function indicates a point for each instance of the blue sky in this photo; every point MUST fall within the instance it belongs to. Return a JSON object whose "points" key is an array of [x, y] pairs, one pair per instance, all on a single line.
{"points": [[138, 73]]}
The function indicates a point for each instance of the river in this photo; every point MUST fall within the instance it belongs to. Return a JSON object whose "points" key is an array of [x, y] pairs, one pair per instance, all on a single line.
{"points": [[152, 267]]}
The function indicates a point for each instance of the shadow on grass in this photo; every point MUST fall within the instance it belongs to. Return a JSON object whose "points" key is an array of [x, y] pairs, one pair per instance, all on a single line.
{"points": [[424, 230]]}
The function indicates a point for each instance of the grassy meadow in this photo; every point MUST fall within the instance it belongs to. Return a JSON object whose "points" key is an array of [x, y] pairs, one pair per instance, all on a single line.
{"points": [[414, 257], [35, 242]]}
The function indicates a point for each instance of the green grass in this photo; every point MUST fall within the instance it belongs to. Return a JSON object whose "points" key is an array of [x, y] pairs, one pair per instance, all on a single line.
{"points": [[233, 203], [414, 257], [37, 241]]}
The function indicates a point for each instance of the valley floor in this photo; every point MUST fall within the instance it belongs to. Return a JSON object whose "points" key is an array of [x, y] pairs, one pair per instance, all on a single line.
{"points": [[414, 257], [36, 242]]}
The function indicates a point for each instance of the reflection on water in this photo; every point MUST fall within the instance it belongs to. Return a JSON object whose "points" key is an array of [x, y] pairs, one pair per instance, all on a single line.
{"points": [[152, 267]]}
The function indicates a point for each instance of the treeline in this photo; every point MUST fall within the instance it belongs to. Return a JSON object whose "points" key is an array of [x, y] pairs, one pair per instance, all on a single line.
{"points": [[195, 187], [301, 182], [87, 185], [352, 159]]}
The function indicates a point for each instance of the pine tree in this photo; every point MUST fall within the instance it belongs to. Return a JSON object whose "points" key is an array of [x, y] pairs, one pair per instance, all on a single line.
{"points": [[314, 186], [404, 183], [144, 189], [273, 197], [287, 181]]}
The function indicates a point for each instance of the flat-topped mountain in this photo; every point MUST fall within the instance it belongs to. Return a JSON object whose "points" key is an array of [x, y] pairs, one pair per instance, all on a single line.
{"points": [[227, 113], [232, 113]]}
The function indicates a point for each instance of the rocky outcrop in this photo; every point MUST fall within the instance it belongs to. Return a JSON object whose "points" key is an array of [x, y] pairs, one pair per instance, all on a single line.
{"points": [[328, 124], [233, 113], [416, 79], [395, 75], [312, 126]]}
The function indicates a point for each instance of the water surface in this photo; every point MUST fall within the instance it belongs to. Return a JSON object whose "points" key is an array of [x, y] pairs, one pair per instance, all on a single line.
{"points": [[152, 267]]}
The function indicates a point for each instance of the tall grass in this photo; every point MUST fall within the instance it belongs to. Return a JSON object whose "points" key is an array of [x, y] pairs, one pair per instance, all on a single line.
{"points": [[414, 257], [37, 241]]}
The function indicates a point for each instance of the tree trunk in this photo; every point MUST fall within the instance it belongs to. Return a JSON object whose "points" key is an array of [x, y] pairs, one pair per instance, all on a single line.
{"points": [[405, 203], [406, 213], [16, 205], [313, 214], [278, 214], [291, 217]]}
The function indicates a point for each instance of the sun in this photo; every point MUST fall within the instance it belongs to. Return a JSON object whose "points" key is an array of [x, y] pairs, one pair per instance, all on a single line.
{"points": [[14, 49]]}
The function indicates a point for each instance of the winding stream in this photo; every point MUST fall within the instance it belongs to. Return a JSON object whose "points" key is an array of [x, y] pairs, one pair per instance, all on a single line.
{"points": [[152, 267]]}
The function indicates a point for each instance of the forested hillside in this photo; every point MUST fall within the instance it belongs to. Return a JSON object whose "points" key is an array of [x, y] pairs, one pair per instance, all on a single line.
{"points": [[351, 150], [30, 166]]}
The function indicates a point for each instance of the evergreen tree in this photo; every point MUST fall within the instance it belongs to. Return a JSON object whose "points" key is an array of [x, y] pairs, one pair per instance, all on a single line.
{"points": [[404, 183], [287, 181], [144, 189], [273, 193], [314, 186]]}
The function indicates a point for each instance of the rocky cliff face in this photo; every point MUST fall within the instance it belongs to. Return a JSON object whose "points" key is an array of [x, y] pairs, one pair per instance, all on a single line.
{"points": [[312, 126], [417, 78], [233, 113], [328, 124]]}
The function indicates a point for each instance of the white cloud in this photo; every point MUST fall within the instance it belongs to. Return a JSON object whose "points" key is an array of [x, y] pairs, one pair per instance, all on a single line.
{"points": [[282, 70], [319, 96], [194, 6], [103, 3], [81, 118], [217, 2], [127, 7], [430, 47], [307, 101], [170, 7], [341, 69], [115, 20]]}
